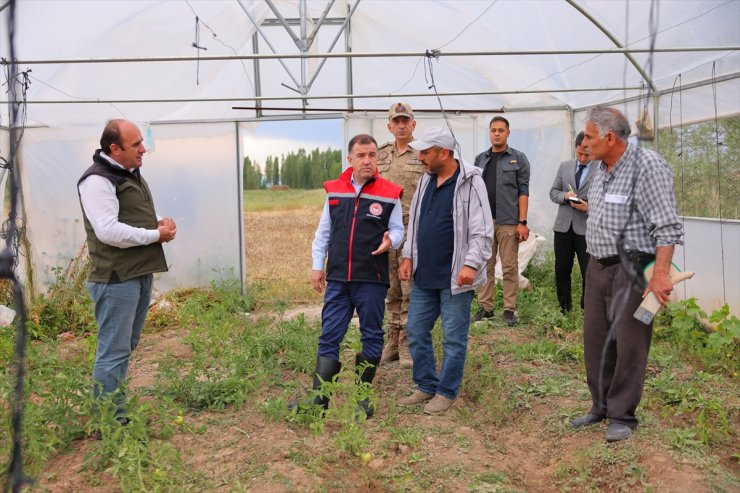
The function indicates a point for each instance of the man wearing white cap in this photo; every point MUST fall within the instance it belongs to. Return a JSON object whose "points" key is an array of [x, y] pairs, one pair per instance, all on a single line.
{"points": [[448, 244]]}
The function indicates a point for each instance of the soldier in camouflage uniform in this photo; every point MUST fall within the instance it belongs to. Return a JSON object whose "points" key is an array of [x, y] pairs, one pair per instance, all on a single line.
{"points": [[398, 163]]}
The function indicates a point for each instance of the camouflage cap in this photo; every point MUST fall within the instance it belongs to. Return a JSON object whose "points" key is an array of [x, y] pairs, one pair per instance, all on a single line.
{"points": [[400, 109]]}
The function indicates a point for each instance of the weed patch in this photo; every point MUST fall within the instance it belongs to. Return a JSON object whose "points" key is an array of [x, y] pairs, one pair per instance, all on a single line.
{"points": [[66, 307]]}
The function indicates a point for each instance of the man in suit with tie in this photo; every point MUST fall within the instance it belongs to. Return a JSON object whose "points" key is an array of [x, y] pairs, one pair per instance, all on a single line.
{"points": [[570, 192]]}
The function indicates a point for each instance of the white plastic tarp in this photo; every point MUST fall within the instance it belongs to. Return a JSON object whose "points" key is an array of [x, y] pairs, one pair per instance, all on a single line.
{"points": [[543, 94], [116, 29], [194, 180]]}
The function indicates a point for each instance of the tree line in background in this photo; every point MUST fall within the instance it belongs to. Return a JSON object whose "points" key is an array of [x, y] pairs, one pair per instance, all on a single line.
{"points": [[296, 170], [705, 159]]}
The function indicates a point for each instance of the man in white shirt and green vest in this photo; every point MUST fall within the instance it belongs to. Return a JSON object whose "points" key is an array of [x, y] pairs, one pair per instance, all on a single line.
{"points": [[124, 238]]}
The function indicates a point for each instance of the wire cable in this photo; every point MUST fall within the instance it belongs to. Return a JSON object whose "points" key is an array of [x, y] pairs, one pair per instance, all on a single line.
{"points": [[17, 102], [624, 59], [469, 24], [198, 49], [717, 145], [429, 77], [416, 67], [680, 155], [81, 98], [198, 20], [421, 58]]}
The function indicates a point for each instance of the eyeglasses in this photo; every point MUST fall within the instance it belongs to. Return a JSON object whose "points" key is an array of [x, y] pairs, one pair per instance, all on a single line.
{"points": [[607, 180]]}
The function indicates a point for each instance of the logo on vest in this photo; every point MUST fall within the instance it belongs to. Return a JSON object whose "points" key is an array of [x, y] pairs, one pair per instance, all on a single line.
{"points": [[376, 209]]}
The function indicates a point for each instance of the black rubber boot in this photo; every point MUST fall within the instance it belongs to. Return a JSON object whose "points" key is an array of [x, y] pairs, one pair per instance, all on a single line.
{"points": [[325, 370], [366, 376]]}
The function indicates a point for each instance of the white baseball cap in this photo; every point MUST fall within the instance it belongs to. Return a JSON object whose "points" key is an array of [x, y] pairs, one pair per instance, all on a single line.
{"points": [[434, 137]]}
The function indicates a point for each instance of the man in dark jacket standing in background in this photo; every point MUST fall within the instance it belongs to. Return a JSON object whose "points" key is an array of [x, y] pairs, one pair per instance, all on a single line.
{"points": [[506, 174]]}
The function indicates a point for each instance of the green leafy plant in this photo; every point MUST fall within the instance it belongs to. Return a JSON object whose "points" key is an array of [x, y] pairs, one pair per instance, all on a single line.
{"points": [[711, 423], [67, 306], [683, 324], [343, 414], [727, 334]]}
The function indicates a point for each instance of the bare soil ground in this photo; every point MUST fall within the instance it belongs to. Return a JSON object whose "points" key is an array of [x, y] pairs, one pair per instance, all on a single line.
{"points": [[532, 451]]}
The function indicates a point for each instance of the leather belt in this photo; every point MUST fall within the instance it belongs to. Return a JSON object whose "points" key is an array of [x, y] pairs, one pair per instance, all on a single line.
{"points": [[643, 259], [607, 261]]}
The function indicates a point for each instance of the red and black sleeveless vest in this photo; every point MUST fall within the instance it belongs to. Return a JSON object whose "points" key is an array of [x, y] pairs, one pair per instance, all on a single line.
{"points": [[358, 222]]}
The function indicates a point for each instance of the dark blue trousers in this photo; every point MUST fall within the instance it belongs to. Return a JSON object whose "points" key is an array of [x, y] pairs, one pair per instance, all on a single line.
{"points": [[340, 301]]}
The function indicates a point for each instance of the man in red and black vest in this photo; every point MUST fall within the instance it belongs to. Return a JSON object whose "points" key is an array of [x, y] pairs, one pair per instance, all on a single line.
{"points": [[362, 219]]}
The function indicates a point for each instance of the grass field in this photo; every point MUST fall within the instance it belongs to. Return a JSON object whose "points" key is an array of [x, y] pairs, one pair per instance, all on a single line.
{"points": [[283, 200], [209, 385], [279, 228]]}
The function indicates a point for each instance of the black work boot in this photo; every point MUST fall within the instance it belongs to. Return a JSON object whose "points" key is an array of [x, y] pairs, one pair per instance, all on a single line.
{"points": [[366, 375], [326, 369]]}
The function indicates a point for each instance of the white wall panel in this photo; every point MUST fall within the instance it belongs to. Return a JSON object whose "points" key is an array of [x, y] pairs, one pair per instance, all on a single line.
{"points": [[712, 250]]}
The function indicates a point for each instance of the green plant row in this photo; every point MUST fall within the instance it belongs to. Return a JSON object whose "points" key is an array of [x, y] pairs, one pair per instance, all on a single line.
{"points": [[223, 357]]}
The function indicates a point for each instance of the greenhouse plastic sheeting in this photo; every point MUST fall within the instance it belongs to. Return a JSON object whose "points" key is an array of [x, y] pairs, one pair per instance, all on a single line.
{"points": [[75, 30], [544, 140], [544, 95], [193, 177]]}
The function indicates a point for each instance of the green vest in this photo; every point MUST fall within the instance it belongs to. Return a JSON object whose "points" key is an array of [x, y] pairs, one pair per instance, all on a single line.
{"points": [[136, 208]]}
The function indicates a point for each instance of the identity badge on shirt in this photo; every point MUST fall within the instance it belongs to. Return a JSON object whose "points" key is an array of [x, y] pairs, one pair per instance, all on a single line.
{"points": [[613, 198]]}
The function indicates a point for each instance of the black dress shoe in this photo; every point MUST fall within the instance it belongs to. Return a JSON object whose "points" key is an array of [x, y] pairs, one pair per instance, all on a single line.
{"points": [[617, 431], [510, 318], [482, 315], [587, 420]]}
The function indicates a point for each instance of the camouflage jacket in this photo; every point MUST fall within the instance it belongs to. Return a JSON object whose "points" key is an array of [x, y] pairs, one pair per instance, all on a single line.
{"points": [[404, 170]]}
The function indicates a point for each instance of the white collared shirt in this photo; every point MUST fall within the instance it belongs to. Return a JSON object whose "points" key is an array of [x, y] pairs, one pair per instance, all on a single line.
{"points": [[100, 205]]}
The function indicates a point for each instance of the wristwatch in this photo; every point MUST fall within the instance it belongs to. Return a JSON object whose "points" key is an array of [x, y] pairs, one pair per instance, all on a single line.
{"points": [[523, 222]]}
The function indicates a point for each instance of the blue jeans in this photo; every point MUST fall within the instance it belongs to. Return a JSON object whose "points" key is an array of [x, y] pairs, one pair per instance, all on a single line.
{"points": [[340, 301], [424, 308], [120, 310]]}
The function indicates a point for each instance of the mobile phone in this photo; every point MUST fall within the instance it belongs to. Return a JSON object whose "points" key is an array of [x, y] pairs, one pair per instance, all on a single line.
{"points": [[575, 199]]}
